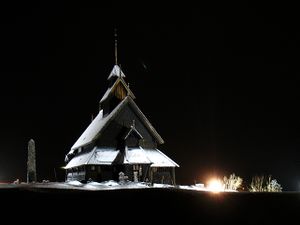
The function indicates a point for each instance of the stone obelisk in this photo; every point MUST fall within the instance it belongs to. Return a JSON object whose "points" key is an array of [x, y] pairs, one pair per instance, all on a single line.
{"points": [[31, 165]]}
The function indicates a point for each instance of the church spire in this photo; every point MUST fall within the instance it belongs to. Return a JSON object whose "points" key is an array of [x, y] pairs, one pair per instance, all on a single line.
{"points": [[116, 71], [116, 47]]}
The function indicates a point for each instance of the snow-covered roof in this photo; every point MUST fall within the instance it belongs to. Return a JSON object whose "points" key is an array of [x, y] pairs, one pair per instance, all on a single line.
{"points": [[106, 94], [79, 160], [88, 135], [104, 156], [159, 159], [99, 123], [98, 156], [116, 72], [136, 156], [144, 156]]}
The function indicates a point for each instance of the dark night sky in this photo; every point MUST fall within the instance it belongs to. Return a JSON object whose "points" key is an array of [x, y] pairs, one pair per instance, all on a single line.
{"points": [[220, 84]]}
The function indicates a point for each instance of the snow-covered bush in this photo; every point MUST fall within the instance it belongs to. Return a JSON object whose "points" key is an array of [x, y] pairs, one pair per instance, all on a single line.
{"points": [[257, 184], [233, 182], [264, 184], [273, 185]]}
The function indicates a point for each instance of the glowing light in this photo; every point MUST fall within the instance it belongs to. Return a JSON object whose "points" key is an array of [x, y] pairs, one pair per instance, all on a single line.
{"points": [[215, 185]]}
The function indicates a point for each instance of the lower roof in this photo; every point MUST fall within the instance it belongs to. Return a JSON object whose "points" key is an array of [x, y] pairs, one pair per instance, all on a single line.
{"points": [[109, 156]]}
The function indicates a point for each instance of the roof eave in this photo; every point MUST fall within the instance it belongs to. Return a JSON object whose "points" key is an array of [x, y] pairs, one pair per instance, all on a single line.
{"points": [[79, 146]]}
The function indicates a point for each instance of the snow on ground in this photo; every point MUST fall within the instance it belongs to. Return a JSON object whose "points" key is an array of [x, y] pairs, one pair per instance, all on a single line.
{"points": [[200, 187], [106, 185], [7, 185], [111, 185], [114, 185], [162, 186], [75, 183], [193, 187]]}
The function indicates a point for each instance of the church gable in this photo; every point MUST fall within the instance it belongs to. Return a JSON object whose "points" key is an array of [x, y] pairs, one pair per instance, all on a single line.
{"points": [[120, 91], [122, 115], [133, 141], [120, 128], [114, 95], [132, 137], [128, 116]]}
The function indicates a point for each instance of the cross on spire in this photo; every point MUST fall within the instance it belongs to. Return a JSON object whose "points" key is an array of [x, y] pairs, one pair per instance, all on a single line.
{"points": [[116, 47], [133, 124]]}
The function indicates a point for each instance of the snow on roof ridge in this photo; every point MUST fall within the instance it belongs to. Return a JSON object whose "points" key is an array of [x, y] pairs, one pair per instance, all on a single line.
{"points": [[117, 72]]}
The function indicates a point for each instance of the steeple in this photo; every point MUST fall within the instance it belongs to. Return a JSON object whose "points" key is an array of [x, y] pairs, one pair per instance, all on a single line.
{"points": [[118, 89], [116, 47], [116, 71]]}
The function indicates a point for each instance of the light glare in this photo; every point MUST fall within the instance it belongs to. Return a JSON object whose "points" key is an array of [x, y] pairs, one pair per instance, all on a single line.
{"points": [[215, 185]]}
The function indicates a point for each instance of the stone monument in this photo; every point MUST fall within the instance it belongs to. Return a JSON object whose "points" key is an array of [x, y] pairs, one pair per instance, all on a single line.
{"points": [[31, 164]]}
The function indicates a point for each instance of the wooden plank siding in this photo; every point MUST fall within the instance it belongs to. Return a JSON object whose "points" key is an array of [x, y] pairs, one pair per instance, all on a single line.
{"points": [[120, 92]]}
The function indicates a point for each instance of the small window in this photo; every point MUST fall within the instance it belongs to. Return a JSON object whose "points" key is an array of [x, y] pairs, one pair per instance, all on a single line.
{"points": [[92, 168], [79, 150]]}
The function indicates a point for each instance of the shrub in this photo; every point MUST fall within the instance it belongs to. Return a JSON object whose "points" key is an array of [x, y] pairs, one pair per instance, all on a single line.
{"points": [[264, 184], [233, 182]]}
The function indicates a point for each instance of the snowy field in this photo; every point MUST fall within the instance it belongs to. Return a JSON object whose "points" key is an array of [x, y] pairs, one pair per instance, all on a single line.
{"points": [[107, 185]]}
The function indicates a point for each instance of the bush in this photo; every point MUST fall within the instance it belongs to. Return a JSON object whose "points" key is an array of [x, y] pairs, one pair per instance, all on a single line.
{"points": [[273, 185], [233, 182], [257, 184], [264, 184]]}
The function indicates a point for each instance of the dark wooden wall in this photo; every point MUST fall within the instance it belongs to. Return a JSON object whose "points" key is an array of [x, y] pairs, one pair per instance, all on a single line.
{"points": [[108, 137]]}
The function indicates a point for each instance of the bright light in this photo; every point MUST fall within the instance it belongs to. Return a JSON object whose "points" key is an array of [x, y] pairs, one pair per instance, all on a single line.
{"points": [[215, 185]]}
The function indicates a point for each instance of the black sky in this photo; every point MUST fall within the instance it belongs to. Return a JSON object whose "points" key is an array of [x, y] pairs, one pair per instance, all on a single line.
{"points": [[219, 83]]}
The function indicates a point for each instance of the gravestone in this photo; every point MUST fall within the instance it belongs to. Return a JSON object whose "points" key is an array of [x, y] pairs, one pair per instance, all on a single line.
{"points": [[122, 178]]}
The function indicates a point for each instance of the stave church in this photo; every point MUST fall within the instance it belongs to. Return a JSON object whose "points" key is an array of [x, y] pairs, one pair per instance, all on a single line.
{"points": [[119, 139]]}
